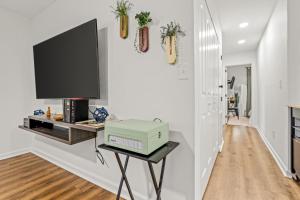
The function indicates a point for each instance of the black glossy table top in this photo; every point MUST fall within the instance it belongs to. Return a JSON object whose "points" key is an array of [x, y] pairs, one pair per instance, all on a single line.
{"points": [[154, 157]]}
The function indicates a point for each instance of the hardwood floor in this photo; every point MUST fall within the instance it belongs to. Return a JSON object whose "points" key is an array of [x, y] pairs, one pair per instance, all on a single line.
{"points": [[246, 170], [242, 121], [28, 177]]}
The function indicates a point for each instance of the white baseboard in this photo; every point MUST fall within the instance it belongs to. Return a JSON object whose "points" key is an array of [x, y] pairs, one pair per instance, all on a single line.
{"points": [[91, 177], [276, 157], [14, 153], [221, 146]]}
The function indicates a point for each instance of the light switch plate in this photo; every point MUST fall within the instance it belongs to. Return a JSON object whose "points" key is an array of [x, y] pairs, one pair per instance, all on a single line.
{"points": [[183, 73]]}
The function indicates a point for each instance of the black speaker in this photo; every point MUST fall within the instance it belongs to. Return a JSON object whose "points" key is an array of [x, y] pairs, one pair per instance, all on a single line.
{"points": [[76, 110]]}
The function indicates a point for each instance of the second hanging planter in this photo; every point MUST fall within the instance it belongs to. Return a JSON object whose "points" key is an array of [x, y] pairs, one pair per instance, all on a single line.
{"points": [[144, 39], [143, 19]]}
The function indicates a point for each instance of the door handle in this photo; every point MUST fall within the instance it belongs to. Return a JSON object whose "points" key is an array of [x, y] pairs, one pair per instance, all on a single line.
{"points": [[220, 86]]}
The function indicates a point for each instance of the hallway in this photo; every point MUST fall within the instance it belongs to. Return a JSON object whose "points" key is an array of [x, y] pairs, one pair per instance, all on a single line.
{"points": [[245, 170], [242, 121]]}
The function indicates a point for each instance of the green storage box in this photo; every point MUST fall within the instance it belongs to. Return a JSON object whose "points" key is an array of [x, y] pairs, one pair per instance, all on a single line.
{"points": [[138, 136]]}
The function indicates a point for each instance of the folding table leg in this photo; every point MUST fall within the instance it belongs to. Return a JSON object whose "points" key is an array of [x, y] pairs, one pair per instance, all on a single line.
{"points": [[156, 186], [161, 178], [124, 177]]}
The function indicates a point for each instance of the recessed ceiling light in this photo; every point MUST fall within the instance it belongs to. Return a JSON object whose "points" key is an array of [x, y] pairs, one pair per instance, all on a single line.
{"points": [[241, 41], [244, 24]]}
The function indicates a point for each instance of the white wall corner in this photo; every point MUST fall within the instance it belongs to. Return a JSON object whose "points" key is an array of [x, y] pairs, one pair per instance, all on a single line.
{"points": [[280, 163]]}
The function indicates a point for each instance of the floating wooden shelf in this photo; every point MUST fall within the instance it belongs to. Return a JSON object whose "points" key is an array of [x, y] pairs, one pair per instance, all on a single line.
{"points": [[61, 131]]}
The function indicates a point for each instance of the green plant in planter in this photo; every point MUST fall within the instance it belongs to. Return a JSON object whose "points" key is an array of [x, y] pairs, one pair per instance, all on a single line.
{"points": [[121, 11], [122, 8], [143, 19], [168, 40], [171, 29]]}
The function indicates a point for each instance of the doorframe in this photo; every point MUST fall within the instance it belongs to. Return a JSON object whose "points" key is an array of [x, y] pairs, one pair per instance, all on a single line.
{"points": [[197, 87], [251, 65], [223, 100]]}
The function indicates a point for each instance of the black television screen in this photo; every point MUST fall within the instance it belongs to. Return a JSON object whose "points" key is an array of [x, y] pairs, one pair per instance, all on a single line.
{"points": [[67, 65]]}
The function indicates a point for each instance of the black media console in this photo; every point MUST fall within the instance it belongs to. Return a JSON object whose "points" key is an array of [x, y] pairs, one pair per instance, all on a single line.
{"points": [[63, 132]]}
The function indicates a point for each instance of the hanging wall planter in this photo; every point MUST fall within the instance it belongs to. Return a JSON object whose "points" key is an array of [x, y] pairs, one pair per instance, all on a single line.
{"points": [[124, 26], [169, 38], [144, 39], [170, 45], [143, 19], [121, 12]]}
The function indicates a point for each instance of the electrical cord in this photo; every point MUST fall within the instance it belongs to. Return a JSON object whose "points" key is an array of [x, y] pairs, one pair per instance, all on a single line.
{"points": [[99, 155]]}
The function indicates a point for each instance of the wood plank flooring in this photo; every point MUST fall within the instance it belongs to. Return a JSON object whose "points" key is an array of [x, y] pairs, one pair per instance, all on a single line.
{"points": [[28, 177], [246, 170]]}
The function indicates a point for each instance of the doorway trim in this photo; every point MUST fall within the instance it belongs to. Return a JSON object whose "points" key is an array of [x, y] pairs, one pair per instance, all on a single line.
{"points": [[254, 91]]}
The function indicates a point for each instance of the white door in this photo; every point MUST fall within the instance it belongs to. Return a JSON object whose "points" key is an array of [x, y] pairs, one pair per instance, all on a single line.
{"points": [[207, 95]]}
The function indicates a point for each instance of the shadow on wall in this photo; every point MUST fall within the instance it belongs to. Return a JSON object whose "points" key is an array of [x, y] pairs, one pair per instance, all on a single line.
{"points": [[84, 150]]}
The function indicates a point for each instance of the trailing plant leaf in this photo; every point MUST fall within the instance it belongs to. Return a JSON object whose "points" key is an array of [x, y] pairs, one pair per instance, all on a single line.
{"points": [[136, 45], [171, 29], [143, 19], [122, 8]]}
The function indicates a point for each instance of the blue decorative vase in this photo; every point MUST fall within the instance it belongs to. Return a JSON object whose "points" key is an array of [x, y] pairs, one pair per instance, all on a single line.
{"points": [[38, 112], [100, 114]]}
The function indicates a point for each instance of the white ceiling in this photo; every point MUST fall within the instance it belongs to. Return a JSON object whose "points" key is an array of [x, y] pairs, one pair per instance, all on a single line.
{"points": [[234, 12], [26, 8]]}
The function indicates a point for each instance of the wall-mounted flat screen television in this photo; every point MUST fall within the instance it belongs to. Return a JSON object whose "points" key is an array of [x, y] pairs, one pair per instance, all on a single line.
{"points": [[67, 65]]}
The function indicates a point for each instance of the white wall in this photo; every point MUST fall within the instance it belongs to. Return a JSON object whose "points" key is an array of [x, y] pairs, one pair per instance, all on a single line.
{"points": [[293, 51], [139, 86], [15, 100], [242, 58], [245, 58], [272, 82]]}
